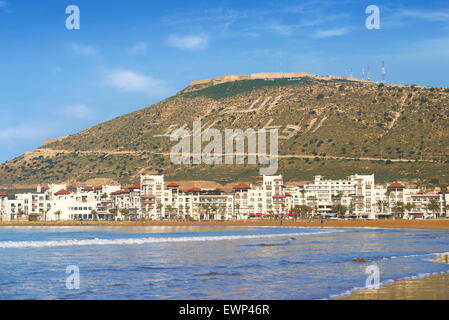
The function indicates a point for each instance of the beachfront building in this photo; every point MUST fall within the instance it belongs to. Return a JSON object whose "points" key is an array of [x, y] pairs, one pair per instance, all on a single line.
{"points": [[356, 197], [427, 205], [244, 205], [29, 206], [4, 216], [356, 193]]}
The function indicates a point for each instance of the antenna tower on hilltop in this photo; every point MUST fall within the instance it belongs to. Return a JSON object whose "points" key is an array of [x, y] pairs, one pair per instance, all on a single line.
{"points": [[383, 72]]}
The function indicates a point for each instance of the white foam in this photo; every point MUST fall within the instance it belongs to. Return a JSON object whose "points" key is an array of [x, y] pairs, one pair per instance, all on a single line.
{"points": [[138, 241], [416, 255]]}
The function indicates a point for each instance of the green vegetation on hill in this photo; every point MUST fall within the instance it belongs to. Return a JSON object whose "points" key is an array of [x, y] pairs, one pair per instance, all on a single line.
{"points": [[229, 89], [342, 127]]}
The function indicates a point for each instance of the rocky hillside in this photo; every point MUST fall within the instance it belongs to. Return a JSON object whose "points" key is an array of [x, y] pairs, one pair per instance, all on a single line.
{"points": [[327, 126]]}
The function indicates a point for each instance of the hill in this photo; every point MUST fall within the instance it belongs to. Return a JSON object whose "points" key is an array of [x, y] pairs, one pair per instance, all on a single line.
{"points": [[327, 125]]}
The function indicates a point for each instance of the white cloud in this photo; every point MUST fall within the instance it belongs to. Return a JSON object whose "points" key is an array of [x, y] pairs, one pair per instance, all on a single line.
{"points": [[79, 111], [188, 42], [218, 15], [437, 15], [321, 34], [130, 81], [23, 133], [282, 29], [403, 17], [84, 50], [138, 48]]}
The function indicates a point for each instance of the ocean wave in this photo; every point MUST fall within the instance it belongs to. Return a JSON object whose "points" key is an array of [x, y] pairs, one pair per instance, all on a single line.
{"points": [[415, 255], [140, 241]]}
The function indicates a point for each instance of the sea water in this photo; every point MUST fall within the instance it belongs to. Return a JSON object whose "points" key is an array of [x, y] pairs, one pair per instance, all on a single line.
{"points": [[208, 262]]}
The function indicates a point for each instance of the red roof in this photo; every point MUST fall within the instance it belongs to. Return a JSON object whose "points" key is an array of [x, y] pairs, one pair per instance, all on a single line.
{"points": [[62, 192], [134, 186], [242, 186], [194, 190], [396, 185], [172, 185], [2, 194], [88, 188], [120, 192]]}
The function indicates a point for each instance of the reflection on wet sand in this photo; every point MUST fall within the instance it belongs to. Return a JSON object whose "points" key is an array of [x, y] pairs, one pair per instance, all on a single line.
{"points": [[433, 287]]}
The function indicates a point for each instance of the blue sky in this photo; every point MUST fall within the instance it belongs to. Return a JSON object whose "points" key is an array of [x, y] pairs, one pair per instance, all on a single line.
{"points": [[130, 54]]}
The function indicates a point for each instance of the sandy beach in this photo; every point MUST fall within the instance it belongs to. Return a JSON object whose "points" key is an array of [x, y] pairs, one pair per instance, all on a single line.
{"points": [[432, 287], [437, 224]]}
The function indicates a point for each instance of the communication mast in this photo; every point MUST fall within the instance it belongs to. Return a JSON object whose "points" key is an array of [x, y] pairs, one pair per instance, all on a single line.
{"points": [[383, 72], [363, 74], [350, 73], [369, 73]]}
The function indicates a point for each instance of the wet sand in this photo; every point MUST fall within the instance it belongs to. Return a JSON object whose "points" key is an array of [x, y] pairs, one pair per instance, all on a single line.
{"points": [[437, 224], [431, 287]]}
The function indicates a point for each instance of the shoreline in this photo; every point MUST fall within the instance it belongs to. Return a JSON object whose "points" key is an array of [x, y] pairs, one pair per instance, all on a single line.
{"points": [[426, 287], [434, 286], [434, 224]]}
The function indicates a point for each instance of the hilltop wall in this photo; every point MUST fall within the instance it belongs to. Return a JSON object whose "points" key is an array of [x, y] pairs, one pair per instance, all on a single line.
{"points": [[267, 76]]}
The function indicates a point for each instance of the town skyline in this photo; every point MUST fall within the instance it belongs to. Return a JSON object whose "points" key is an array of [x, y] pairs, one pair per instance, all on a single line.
{"points": [[152, 198]]}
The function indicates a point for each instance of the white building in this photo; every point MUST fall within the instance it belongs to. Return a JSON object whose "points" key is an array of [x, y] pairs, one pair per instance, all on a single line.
{"points": [[152, 198]]}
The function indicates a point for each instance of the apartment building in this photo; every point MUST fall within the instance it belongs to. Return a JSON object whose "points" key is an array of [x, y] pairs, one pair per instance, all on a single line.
{"points": [[357, 193], [3, 207], [152, 198]]}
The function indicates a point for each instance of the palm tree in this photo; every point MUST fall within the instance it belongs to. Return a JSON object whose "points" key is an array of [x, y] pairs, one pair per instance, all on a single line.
{"points": [[188, 212], [237, 209], [58, 214], [214, 209], [170, 211], [409, 207], [433, 206], [125, 212], [145, 213], [206, 208], [444, 191], [398, 209], [159, 208], [304, 211], [114, 212], [181, 211], [295, 211], [340, 210], [94, 214], [260, 208], [381, 205], [20, 213]]}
